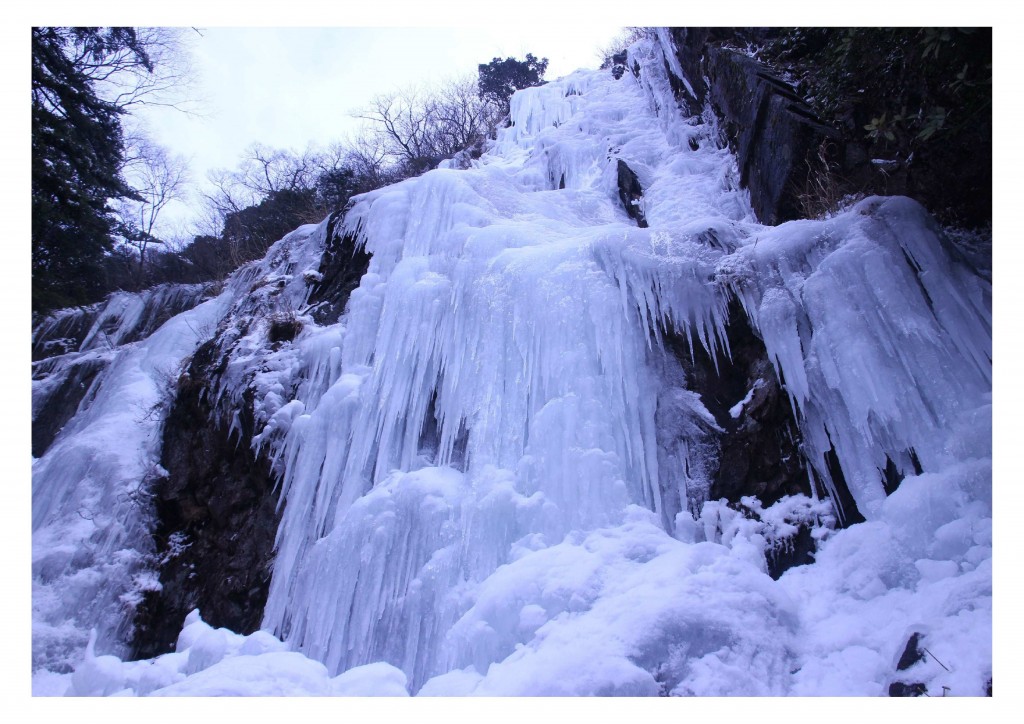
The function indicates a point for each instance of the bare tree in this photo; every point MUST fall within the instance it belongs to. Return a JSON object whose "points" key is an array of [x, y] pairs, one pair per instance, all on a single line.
{"points": [[158, 178], [398, 123], [154, 68], [459, 117], [417, 129], [367, 156], [622, 40], [263, 171]]}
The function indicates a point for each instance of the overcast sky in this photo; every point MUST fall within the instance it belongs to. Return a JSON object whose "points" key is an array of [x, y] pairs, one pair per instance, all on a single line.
{"points": [[289, 87]]}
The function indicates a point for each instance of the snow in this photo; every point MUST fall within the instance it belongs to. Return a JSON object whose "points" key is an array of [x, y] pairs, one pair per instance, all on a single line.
{"points": [[217, 662], [494, 479], [736, 410]]}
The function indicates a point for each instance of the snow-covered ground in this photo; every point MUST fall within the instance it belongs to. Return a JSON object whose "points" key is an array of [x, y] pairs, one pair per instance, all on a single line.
{"points": [[521, 542]]}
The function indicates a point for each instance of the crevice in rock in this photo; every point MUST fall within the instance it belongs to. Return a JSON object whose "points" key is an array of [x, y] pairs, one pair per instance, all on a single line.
{"points": [[217, 515], [849, 513], [760, 446]]}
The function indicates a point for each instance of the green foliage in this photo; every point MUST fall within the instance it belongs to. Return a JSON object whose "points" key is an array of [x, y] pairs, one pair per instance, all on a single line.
{"points": [[77, 155], [906, 87], [499, 79], [919, 98]]}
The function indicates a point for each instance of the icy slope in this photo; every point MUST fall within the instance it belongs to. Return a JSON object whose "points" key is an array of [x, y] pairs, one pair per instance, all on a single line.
{"points": [[90, 533], [93, 556], [470, 469]]}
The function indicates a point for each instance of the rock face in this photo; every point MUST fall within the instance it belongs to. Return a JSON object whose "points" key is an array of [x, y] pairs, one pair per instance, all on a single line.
{"points": [[796, 164], [759, 450], [54, 404], [217, 515], [217, 507], [630, 193], [72, 346], [122, 318], [341, 267], [775, 135]]}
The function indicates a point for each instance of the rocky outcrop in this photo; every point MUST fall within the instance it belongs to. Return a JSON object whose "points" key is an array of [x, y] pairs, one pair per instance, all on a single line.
{"points": [[341, 267], [775, 135], [72, 346], [911, 655], [796, 164], [61, 387], [631, 194], [759, 446], [217, 514], [217, 507], [122, 318]]}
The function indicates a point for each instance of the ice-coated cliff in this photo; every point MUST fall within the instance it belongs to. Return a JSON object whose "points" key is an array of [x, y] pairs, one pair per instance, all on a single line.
{"points": [[494, 473]]}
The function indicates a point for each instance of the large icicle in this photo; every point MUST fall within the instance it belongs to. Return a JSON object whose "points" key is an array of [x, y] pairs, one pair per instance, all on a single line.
{"points": [[500, 365], [883, 341]]}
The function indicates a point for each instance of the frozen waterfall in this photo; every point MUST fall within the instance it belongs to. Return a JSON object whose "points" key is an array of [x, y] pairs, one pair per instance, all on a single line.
{"points": [[470, 476]]}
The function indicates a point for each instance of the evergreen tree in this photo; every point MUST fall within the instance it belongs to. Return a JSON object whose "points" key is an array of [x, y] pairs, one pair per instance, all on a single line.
{"points": [[77, 156], [499, 79]]}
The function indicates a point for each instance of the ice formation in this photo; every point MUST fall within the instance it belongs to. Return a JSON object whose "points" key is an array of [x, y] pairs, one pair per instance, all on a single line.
{"points": [[475, 498]]}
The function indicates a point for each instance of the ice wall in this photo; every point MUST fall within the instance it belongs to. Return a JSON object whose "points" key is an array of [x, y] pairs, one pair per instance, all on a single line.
{"points": [[475, 482], [494, 385]]}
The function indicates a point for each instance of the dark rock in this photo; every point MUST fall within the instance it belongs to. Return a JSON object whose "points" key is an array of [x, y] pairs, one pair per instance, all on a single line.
{"points": [[62, 333], [792, 160], [760, 449], [898, 688], [66, 330], [796, 551], [846, 507], [631, 194], [284, 328], [217, 515], [891, 477], [217, 510], [911, 655], [775, 135], [619, 64], [341, 267], [893, 474], [691, 50]]}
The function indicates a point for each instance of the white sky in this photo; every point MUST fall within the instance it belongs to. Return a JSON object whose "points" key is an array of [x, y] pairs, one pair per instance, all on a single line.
{"points": [[289, 87]]}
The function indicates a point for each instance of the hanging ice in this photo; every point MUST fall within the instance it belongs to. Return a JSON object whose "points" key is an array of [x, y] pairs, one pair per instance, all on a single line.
{"points": [[476, 481]]}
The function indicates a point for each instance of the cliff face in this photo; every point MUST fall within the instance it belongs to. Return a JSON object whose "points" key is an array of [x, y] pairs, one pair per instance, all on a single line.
{"points": [[217, 510], [572, 419], [796, 164]]}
